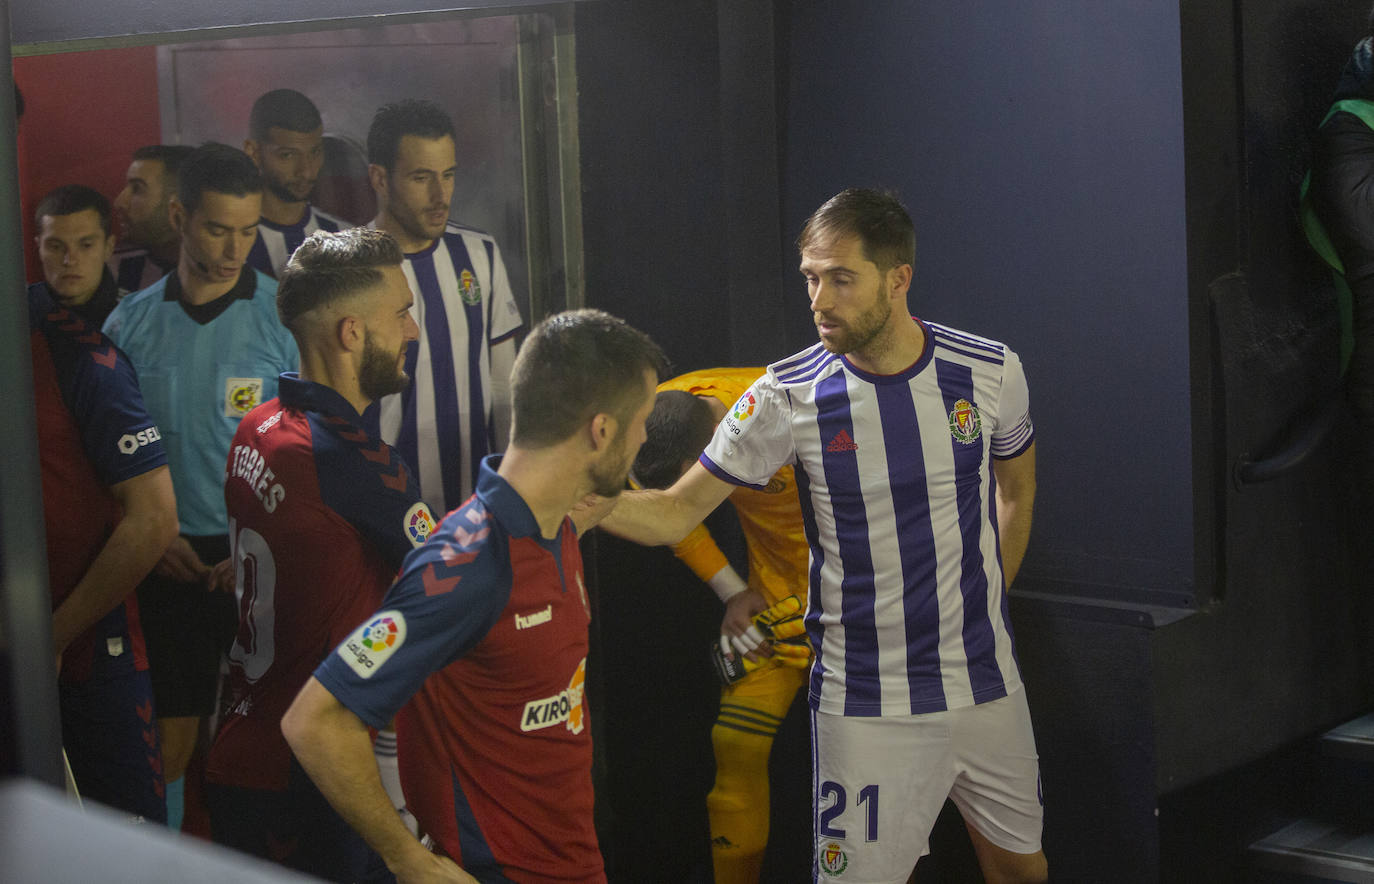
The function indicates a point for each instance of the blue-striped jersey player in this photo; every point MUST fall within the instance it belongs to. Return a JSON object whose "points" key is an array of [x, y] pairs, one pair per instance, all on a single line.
{"points": [[286, 141], [915, 463], [458, 408]]}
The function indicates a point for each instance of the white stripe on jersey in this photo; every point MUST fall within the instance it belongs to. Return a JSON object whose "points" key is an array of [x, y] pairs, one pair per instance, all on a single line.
{"points": [[438, 378], [276, 242], [907, 597]]}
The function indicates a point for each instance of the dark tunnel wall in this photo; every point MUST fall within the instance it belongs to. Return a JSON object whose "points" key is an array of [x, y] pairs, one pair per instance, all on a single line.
{"points": [[1039, 148]]}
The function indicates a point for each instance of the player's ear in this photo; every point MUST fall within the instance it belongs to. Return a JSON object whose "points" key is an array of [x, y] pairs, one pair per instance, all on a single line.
{"points": [[602, 430], [899, 279], [250, 147], [176, 215], [376, 176], [351, 333]]}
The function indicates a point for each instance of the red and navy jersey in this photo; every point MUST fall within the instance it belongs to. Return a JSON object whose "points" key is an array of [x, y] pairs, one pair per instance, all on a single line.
{"points": [[93, 432], [485, 633], [321, 515]]}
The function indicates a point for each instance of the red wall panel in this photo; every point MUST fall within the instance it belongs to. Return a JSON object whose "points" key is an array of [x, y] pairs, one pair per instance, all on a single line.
{"points": [[84, 114]]}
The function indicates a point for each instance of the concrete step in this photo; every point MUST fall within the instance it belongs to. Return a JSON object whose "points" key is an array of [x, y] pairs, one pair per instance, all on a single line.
{"points": [[1317, 851], [1353, 740]]}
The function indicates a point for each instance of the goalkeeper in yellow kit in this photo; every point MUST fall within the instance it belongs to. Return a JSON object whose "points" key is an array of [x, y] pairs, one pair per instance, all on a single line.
{"points": [[751, 708]]}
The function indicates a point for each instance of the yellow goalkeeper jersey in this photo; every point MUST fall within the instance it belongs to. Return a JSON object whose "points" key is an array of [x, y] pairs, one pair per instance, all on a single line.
{"points": [[771, 518]]}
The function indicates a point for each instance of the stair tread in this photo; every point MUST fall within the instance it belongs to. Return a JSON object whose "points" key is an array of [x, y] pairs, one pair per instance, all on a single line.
{"points": [[1319, 848]]}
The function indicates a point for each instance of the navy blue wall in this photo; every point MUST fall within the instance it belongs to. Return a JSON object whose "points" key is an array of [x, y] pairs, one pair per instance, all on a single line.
{"points": [[1039, 148]]}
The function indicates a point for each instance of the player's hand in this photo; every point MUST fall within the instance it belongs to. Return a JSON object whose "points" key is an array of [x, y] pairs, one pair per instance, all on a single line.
{"points": [[784, 624], [590, 510], [181, 563], [221, 577], [738, 632]]}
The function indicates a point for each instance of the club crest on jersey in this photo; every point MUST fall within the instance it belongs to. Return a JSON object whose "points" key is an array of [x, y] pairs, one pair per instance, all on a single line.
{"points": [[419, 523], [833, 860], [564, 708], [241, 395], [373, 643], [469, 289], [964, 421]]}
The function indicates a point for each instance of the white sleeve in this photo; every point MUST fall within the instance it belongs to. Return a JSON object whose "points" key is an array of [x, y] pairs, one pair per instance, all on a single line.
{"points": [[505, 312], [1014, 431], [754, 439]]}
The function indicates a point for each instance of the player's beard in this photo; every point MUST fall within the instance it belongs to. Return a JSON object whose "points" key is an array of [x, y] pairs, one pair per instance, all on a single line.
{"points": [[861, 332], [381, 373], [283, 192]]}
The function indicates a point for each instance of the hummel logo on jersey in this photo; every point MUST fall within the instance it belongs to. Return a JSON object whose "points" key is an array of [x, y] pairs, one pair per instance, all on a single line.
{"points": [[842, 442], [525, 621]]}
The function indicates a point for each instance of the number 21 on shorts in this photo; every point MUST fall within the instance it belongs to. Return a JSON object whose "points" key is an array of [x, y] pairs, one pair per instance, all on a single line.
{"points": [[834, 800]]}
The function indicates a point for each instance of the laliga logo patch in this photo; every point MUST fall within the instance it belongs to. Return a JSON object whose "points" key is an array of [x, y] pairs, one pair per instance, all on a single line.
{"points": [[469, 289], [419, 524], [964, 421], [833, 860], [744, 407], [742, 411], [563, 708], [241, 395], [373, 643]]}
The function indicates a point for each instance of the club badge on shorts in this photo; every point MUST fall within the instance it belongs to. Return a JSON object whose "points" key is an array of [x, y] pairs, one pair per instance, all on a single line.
{"points": [[241, 395], [832, 859]]}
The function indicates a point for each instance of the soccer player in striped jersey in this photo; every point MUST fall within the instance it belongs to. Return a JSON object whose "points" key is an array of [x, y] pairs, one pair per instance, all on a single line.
{"points": [[149, 245], [915, 462], [286, 141], [458, 408]]}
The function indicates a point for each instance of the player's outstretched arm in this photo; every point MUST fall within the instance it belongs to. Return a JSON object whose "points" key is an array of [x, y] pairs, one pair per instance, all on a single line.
{"points": [[656, 518], [133, 548], [335, 748], [1015, 500]]}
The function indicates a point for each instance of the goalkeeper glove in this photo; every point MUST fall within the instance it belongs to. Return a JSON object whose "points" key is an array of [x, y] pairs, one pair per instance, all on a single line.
{"points": [[781, 625]]}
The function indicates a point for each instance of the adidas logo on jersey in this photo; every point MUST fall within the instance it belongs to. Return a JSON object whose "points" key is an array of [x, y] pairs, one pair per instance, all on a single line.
{"points": [[842, 442]]}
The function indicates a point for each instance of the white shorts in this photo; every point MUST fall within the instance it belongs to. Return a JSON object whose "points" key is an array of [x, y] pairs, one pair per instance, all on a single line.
{"points": [[880, 783]]}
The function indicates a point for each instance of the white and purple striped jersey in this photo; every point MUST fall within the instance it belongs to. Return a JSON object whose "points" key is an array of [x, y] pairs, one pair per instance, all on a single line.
{"points": [[446, 421], [907, 607], [276, 242]]}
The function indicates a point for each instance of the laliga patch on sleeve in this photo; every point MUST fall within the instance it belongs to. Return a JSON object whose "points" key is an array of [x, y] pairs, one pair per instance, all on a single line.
{"points": [[419, 523], [373, 643]]}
